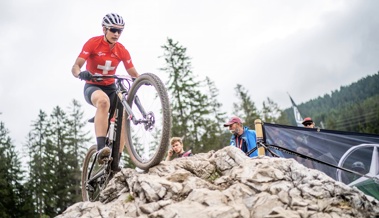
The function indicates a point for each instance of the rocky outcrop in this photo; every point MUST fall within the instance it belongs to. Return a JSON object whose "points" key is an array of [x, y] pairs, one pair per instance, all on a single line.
{"points": [[227, 184]]}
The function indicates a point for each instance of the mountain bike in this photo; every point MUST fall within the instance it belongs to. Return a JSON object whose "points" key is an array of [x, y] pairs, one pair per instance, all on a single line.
{"points": [[143, 106]]}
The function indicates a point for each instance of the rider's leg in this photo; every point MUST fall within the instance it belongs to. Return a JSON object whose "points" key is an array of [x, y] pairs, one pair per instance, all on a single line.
{"points": [[101, 101]]}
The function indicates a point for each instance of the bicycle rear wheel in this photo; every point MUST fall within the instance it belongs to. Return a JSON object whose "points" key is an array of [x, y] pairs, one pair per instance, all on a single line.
{"points": [[147, 141], [91, 187]]}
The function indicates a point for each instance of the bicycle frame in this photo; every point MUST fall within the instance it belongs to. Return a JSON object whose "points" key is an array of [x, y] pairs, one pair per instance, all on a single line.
{"points": [[122, 93], [121, 104]]}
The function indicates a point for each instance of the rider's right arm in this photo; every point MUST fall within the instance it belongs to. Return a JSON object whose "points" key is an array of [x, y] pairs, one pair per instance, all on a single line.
{"points": [[77, 66], [132, 72]]}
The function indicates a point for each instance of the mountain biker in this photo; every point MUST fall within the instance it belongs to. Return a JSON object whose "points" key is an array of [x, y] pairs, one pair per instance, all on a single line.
{"points": [[103, 54]]}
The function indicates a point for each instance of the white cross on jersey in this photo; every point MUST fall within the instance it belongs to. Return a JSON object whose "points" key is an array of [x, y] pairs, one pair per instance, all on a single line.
{"points": [[106, 67]]}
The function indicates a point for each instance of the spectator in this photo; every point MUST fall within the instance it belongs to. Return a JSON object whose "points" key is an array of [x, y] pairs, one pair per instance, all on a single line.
{"points": [[242, 137], [303, 144], [308, 123], [177, 148]]}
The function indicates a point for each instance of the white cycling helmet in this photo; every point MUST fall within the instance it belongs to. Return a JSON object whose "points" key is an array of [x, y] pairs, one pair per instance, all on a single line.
{"points": [[112, 19]]}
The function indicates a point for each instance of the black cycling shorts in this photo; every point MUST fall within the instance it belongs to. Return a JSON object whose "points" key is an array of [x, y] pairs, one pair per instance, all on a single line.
{"points": [[110, 90]]}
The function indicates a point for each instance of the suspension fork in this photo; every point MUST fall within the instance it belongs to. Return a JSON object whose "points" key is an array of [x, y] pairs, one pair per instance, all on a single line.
{"points": [[139, 105], [128, 109]]}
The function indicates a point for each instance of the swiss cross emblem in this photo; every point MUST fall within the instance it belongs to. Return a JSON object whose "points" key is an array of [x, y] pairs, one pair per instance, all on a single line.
{"points": [[106, 67]]}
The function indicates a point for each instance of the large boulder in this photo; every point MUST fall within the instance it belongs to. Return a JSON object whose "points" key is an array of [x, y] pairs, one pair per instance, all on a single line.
{"points": [[227, 184]]}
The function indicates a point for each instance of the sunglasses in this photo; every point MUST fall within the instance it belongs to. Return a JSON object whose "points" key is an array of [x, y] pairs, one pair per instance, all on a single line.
{"points": [[307, 124], [115, 30]]}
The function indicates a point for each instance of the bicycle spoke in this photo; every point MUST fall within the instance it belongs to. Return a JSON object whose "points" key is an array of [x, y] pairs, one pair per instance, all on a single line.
{"points": [[145, 139], [148, 138]]}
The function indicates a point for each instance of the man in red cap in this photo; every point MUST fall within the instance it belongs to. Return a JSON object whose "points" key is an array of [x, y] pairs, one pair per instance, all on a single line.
{"points": [[242, 137], [308, 123]]}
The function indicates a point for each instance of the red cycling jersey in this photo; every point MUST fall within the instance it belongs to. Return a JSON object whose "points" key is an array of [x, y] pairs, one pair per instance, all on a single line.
{"points": [[103, 60]]}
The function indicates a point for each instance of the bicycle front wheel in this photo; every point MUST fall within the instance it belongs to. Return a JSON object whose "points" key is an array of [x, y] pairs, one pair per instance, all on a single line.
{"points": [[148, 136]]}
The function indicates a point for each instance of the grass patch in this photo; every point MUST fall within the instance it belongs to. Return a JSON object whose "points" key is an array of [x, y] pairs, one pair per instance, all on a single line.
{"points": [[215, 175], [130, 198]]}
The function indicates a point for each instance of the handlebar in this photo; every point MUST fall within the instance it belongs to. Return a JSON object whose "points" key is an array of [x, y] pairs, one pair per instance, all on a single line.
{"points": [[97, 77]]}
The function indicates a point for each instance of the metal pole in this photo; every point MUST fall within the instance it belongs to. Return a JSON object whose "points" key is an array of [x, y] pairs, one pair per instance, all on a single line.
{"points": [[259, 132]]}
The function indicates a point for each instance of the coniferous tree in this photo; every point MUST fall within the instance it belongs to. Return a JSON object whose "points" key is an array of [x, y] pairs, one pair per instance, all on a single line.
{"points": [[7, 189], [343, 109], [270, 111], [214, 137], [77, 140], [283, 119], [68, 140], [59, 158], [37, 144], [245, 108], [190, 107], [22, 202], [182, 87], [56, 150]]}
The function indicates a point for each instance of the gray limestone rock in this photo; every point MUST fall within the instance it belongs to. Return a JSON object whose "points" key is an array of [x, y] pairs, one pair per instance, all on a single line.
{"points": [[227, 184]]}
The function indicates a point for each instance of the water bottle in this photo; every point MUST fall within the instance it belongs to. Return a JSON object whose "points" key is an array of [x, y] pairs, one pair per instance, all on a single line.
{"points": [[111, 129]]}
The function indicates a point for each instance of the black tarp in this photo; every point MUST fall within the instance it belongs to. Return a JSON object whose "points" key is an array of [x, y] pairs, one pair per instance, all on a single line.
{"points": [[354, 151]]}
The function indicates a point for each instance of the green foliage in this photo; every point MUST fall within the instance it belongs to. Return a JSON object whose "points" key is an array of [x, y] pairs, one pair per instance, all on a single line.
{"points": [[245, 107], [195, 110], [56, 150], [126, 160], [129, 198], [36, 144], [56, 143], [212, 138], [14, 201], [7, 190], [270, 111], [76, 150], [215, 175], [352, 108]]}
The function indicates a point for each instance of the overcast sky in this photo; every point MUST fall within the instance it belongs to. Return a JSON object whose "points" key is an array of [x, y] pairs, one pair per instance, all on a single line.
{"points": [[305, 48]]}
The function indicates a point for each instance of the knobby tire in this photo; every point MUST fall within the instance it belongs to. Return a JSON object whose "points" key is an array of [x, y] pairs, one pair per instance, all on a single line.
{"points": [[165, 113], [87, 163]]}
